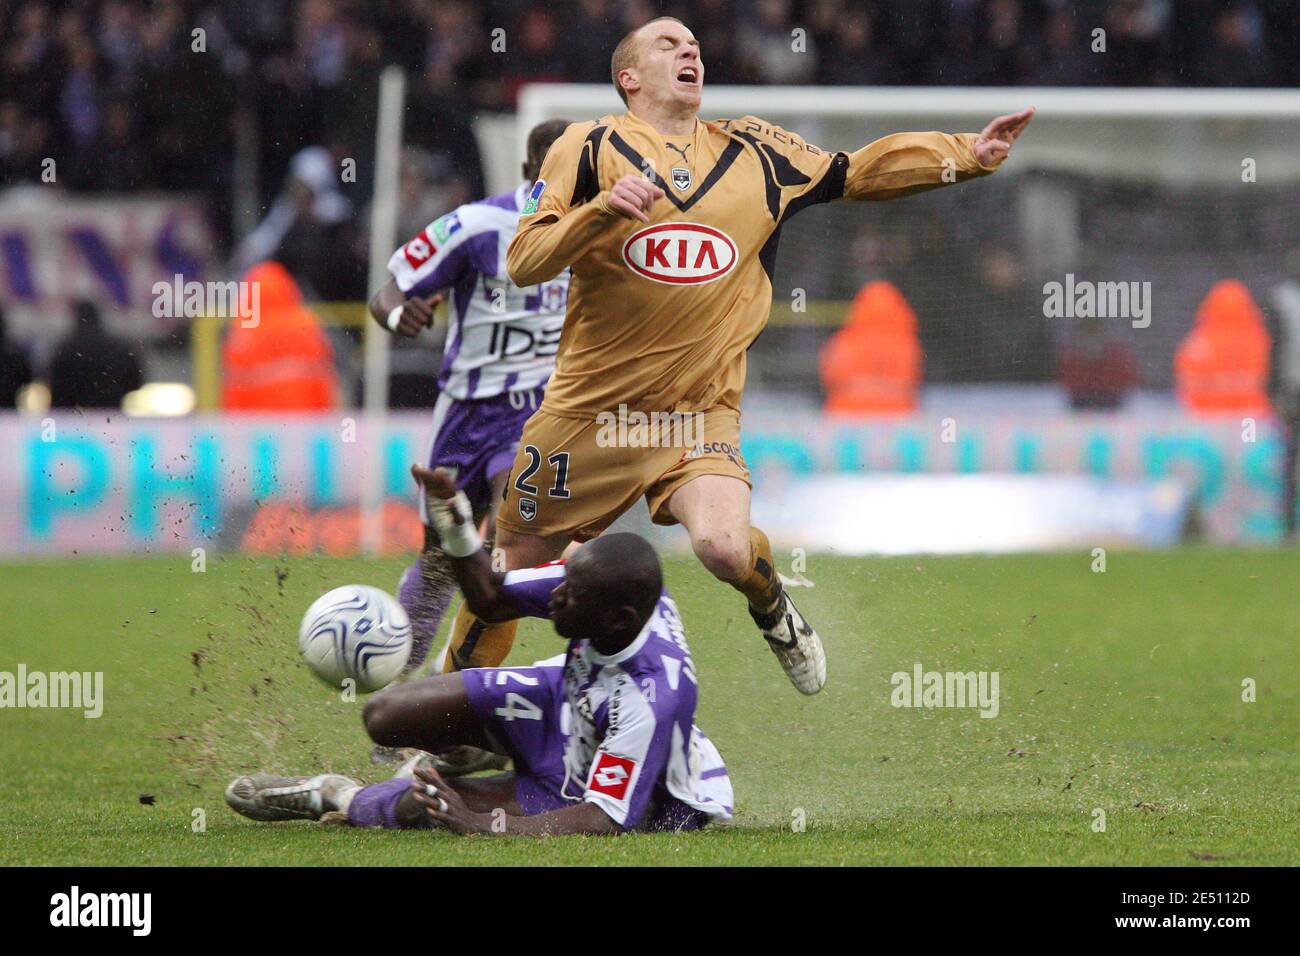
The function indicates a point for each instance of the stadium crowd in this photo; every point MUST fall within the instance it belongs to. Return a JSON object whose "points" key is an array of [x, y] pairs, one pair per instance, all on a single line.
{"points": [[133, 98]]}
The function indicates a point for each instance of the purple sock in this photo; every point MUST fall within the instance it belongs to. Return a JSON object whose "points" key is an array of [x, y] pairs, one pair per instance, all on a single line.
{"points": [[376, 805], [425, 592]]}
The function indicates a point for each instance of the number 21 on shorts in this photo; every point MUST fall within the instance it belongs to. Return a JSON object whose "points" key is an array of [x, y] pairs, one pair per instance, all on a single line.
{"points": [[560, 462]]}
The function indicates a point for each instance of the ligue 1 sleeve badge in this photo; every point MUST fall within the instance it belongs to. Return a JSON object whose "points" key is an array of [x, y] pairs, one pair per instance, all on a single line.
{"points": [[530, 206]]}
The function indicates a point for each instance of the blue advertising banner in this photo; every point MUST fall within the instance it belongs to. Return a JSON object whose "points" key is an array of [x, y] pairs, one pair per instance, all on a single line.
{"points": [[98, 482]]}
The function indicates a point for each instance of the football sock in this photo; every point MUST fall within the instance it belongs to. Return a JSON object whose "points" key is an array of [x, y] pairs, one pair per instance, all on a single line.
{"points": [[388, 804], [762, 585], [475, 643], [425, 592]]}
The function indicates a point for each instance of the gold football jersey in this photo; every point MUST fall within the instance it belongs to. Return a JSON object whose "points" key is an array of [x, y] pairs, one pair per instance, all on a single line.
{"points": [[661, 314]]}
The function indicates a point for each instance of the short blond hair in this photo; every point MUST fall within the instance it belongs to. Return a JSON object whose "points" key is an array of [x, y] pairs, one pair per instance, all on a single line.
{"points": [[625, 55]]}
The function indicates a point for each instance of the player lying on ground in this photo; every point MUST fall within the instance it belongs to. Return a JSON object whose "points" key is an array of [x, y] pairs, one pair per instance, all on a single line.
{"points": [[499, 352], [670, 225], [602, 742]]}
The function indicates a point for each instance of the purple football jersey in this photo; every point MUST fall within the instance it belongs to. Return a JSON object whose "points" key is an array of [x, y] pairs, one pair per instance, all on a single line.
{"points": [[501, 338], [628, 720]]}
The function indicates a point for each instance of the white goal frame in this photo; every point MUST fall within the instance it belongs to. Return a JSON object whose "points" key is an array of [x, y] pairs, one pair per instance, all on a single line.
{"points": [[1191, 134]]}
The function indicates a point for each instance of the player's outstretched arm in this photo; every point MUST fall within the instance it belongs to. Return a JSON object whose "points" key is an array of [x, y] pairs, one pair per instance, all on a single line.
{"points": [[445, 806], [452, 518], [908, 163]]}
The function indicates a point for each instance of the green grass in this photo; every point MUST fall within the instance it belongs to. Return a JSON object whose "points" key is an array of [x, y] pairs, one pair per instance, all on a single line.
{"points": [[1119, 691]]}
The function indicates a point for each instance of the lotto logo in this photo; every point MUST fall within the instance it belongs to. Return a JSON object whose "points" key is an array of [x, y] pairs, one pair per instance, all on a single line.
{"points": [[611, 775], [419, 250]]}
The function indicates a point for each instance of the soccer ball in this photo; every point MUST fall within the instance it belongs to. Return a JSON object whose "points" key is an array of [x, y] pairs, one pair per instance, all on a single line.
{"points": [[356, 632]]}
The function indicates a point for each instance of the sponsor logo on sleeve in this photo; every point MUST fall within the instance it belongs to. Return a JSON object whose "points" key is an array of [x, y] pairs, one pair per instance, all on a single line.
{"points": [[680, 253], [534, 198], [611, 776], [444, 227], [419, 250]]}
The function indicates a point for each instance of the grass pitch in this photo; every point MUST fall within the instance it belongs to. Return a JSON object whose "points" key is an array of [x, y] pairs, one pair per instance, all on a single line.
{"points": [[1121, 692]]}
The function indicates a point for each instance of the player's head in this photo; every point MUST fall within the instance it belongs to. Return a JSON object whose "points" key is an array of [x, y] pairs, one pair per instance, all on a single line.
{"points": [[540, 138], [659, 63], [610, 589]]}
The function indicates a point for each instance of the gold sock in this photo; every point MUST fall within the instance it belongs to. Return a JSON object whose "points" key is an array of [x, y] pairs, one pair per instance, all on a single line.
{"points": [[762, 585], [475, 643]]}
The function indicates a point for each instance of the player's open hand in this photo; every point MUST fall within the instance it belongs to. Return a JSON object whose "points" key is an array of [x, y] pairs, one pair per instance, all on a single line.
{"points": [[437, 481], [444, 805], [417, 315], [632, 197], [994, 144]]}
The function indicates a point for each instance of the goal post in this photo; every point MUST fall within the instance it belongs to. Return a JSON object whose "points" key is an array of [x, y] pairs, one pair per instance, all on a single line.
{"points": [[383, 237]]}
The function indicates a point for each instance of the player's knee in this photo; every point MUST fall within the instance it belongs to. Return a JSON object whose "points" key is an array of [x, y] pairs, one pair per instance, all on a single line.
{"points": [[726, 556], [382, 717]]}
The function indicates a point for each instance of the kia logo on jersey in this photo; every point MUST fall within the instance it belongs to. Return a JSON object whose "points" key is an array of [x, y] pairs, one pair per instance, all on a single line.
{"points": [[680, 253], [611, 775]]}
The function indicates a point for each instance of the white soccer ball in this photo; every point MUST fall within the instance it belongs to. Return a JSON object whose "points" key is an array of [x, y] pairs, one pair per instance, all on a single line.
{"points": [[356, 632]]}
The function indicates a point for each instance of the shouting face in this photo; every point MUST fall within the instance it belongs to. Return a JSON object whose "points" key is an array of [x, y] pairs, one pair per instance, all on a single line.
{"points": [[666, 67]]}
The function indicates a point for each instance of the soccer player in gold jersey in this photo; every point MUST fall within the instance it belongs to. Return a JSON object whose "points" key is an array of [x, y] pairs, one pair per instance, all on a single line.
{"points": [[670, 226]]}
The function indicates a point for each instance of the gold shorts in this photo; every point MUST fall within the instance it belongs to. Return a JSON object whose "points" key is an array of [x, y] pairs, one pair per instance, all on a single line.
{"points": [[574, 477]]}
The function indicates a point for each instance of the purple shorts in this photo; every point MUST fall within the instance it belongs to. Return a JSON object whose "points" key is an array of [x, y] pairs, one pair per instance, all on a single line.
{"points": [[477, 438], [521, 708]]}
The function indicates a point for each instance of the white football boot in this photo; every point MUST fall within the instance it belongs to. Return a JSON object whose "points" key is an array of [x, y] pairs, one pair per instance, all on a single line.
{"points": [[263, 796], [795, 644]]}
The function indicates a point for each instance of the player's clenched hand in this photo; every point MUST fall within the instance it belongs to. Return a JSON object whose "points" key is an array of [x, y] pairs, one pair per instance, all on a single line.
{"points": [[993, 145], [632, 197], [444, 805], [417, 315]]}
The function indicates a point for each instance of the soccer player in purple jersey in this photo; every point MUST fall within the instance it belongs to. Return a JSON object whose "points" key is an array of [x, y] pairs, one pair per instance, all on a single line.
{"points": [[603, 740], [499, 353]]}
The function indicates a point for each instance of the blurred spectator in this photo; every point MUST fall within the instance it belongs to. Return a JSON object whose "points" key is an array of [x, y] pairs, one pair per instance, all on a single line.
{"points": [[15, 369], [1222, 366], [24, 144], [1007, 332], [1097, 370], [1067, 58], [309, 230], [1234, 54], [872, 365], [1136, 43], [852, 57], [767, 41], [278, 359], [1007, 56], [92, 368], [591, 33], [537, 57]]}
